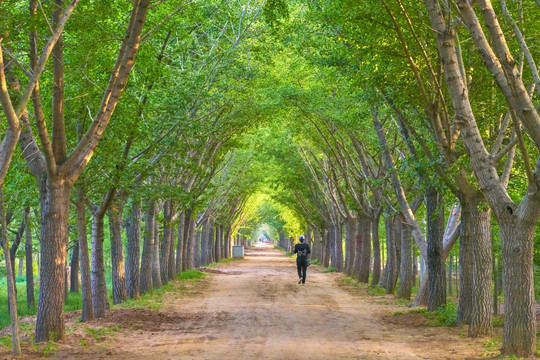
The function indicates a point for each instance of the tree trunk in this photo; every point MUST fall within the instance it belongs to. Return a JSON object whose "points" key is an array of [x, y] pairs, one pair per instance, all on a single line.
{"points": [[364, 247], [172, 266], [406, 269], [482, 309], [74, 265], [450, 274], [10, 279], [189, 240], [517, 239], [156, 268], [326, 249], [84, 257], [219, 243], [28, 247], [99, 284], [180, 244], [168, 210], [197, 247], [133, 250], [389, 277], [376, 249], [211, 245], [117, 253], [227, 242], [435, 230], [205, 243], [466, 264], [147, 259], [336, 247], [351, 248], [54, 238]]}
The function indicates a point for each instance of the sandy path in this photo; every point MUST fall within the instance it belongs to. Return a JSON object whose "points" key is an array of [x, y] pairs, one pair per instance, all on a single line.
{"points": [[254, 309]]}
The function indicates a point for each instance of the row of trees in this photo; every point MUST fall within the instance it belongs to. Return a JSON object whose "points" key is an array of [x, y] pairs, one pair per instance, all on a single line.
{"points": [[395, 104], [165, 177]]}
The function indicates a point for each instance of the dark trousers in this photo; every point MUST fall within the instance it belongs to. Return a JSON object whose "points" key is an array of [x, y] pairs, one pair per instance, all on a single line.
{"points": [[302, 268]]}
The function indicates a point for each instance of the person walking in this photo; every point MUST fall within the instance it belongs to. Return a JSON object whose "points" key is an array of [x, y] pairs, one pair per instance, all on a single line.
{"points": [[302, 250]]}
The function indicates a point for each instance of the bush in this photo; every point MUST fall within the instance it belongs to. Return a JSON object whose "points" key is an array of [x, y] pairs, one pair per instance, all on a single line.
{"points": [[315, 262], [329, 270], [446, 315]]}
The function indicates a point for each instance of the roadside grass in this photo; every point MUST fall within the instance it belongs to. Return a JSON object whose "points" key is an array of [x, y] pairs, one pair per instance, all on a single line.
{"points": [[222, 261], [443, 316], [375, 290], [153, 300]]}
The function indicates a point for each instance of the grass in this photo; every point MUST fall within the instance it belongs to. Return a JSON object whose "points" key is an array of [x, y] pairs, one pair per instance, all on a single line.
{"points": [[74, 302], [375, 290], [222, 261], [99, 334], [329, 270], [191, 274], [315, 262], [153, 300], [443, 316]]}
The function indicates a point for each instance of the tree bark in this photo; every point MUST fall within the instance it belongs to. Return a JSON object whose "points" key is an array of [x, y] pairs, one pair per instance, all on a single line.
{"points": [[326, 249], [376, 249], [28, 247], [197, 247], [180, 244], [84, 258], [168, 211], [156, 266], [351, 247], [406, 270], [336, 247], [172, 266], [364, 232], [482, 309], [147, 260], [189, 240], [389, 277], [74, 265], [117, 253], [99, 284], [133, 250], [466, 264], [54, 237], [435, 260]]}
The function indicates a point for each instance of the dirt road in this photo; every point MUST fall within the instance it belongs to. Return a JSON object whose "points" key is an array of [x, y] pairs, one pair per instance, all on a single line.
{"points": [[254, 309]]}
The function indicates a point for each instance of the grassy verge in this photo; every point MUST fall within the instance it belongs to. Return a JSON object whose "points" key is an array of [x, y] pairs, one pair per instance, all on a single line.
{"points": [[223, 261], [154, 300], [74, 301]]}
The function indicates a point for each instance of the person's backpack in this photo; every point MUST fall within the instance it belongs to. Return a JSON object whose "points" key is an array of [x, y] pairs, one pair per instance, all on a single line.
{"points": [[308, 262]]}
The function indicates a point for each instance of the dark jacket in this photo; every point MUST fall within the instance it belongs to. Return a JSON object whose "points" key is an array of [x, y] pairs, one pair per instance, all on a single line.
{"points": [[302, 250]]}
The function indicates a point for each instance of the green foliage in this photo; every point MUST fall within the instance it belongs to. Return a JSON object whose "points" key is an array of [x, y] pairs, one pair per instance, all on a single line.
{"points": [[446, 315], [315, 262], [329, 270], [191, 274], [100, 333], [375, 290]]}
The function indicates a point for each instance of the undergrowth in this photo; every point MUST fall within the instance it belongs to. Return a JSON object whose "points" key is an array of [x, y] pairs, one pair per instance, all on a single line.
{"points": [[443, 316], [329, 270], [375, 290]]}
